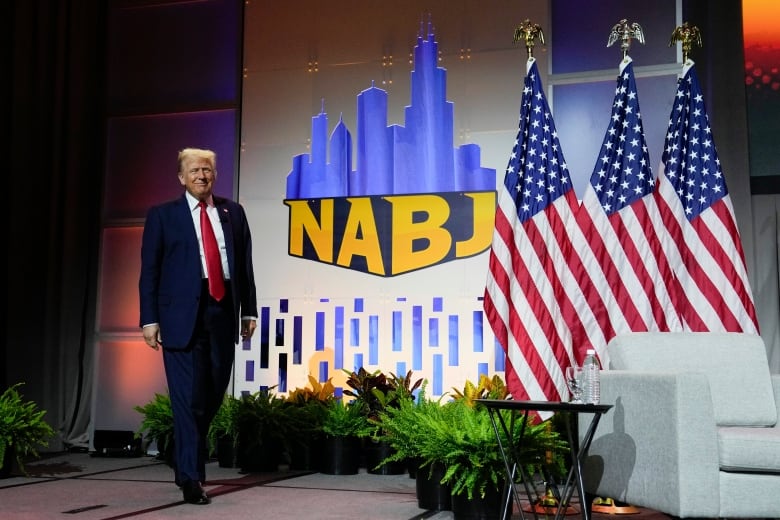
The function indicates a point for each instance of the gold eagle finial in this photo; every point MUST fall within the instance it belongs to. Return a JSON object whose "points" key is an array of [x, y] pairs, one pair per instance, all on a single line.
{"points": [[625, 32], [688, 35], [528, 32]]}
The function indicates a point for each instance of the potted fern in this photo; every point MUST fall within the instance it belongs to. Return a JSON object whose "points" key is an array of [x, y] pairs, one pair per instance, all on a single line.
{"points": [[406, 428], [157, 425], [263, 425], [222, 436], [23, 430], [462, 439], [344, 425]]}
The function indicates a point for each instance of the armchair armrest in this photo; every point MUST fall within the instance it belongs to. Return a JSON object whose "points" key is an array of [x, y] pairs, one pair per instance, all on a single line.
{"points": [[658, 446]]}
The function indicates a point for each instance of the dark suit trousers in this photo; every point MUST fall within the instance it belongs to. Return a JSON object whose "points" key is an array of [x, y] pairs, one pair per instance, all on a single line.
{"points": [[198, 376]]}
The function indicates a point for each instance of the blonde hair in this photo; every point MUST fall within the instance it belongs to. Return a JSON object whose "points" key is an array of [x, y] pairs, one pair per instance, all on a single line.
{"points": [[197, 153]]}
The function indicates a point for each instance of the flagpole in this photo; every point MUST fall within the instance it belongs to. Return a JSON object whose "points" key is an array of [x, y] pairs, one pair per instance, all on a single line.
{"points": [[624, 32]]}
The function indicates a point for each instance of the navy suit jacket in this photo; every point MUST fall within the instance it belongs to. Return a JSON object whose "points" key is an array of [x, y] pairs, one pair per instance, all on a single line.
{"points": [[171, 279]]}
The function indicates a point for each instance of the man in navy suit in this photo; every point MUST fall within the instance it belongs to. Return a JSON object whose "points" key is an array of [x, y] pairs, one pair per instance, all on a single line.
{"points": [[197, 331]]}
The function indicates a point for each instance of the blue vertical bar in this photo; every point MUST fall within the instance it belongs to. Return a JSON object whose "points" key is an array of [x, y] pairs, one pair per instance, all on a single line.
{"points": [[265, 326], [500, 356], [397, 331], [279, 332], [354, 332], [373, 340], [282, 384], [482, 370], [358, 305], [400, 368], [297, 345], [284, 306], [453, 340], [438, 304], [477, 338], [438, 377], [358, 362], [433, 332], [319, 331], [417, 335], [338, 335], [249, 370]]}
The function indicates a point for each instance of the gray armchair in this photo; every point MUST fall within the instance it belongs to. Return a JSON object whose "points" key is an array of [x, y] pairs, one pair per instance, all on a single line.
{"points": [[695, 430]]}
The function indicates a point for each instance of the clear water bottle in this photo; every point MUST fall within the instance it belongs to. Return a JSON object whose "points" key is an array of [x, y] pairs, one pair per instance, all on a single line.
{"points": [[591, 386]]}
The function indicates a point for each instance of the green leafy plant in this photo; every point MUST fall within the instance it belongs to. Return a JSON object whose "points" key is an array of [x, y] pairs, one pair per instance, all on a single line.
{"points": [[157, 422], [345, 419], [459, 436], [486, 388], [225, 423], [370, 390], [321, 393], [308, 407], [467, 446], [262, 416], [404, 427], [403, 386], [375, 392], [22, 427]]}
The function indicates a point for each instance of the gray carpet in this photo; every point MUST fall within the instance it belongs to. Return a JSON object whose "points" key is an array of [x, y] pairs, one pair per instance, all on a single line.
{"points": [[78, 486]]}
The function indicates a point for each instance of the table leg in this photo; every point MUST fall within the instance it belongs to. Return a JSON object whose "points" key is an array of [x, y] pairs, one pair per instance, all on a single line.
{"points": [[579, 452], [510, 453]]}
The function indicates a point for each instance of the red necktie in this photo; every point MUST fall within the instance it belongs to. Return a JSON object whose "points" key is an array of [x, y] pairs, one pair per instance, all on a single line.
{"points": [[211, 251]]}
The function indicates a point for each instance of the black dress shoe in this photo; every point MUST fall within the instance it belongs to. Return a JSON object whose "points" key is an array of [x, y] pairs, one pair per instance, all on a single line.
{"points": [[194, 494]]}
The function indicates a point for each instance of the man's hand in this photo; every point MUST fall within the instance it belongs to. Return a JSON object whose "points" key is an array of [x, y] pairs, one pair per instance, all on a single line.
{"points": [[248, 328], [152, 336]]}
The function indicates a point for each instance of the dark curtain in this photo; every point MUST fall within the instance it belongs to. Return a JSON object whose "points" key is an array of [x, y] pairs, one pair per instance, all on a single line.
{"points": [[57, 76]]}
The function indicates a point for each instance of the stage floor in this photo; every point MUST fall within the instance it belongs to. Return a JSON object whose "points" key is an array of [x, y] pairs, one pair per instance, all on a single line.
{"points": [[79, 486]]}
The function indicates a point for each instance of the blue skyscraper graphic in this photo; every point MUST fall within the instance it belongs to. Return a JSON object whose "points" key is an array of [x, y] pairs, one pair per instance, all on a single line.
{"points": [[418, 157]]}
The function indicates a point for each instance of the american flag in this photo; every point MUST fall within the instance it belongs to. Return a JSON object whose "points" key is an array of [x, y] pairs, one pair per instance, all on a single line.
{"points": [[702, 240], [630, 279], [527, 296]]}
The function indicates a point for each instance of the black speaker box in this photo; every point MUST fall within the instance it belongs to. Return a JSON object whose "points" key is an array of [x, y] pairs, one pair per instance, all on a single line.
{"points": [[116, 443]]}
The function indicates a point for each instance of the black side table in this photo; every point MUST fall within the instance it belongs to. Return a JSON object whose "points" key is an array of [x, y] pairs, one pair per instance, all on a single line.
{"points": [[510, 453]]}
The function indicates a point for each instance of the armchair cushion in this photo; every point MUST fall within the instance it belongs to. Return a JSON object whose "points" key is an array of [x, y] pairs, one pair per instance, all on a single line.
{"points": [[749, 449], [735, 364]]}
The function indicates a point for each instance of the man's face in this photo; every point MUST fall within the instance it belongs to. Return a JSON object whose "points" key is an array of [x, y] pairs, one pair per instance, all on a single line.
{"points": [[198, 176]]}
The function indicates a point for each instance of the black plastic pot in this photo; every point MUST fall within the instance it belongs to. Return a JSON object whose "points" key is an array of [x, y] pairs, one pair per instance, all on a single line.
{"points": [[306, 454], [9, 459], [431, 493], [259, 457], [479, 508], [340, 455], [375, 452], [226, 452]]}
